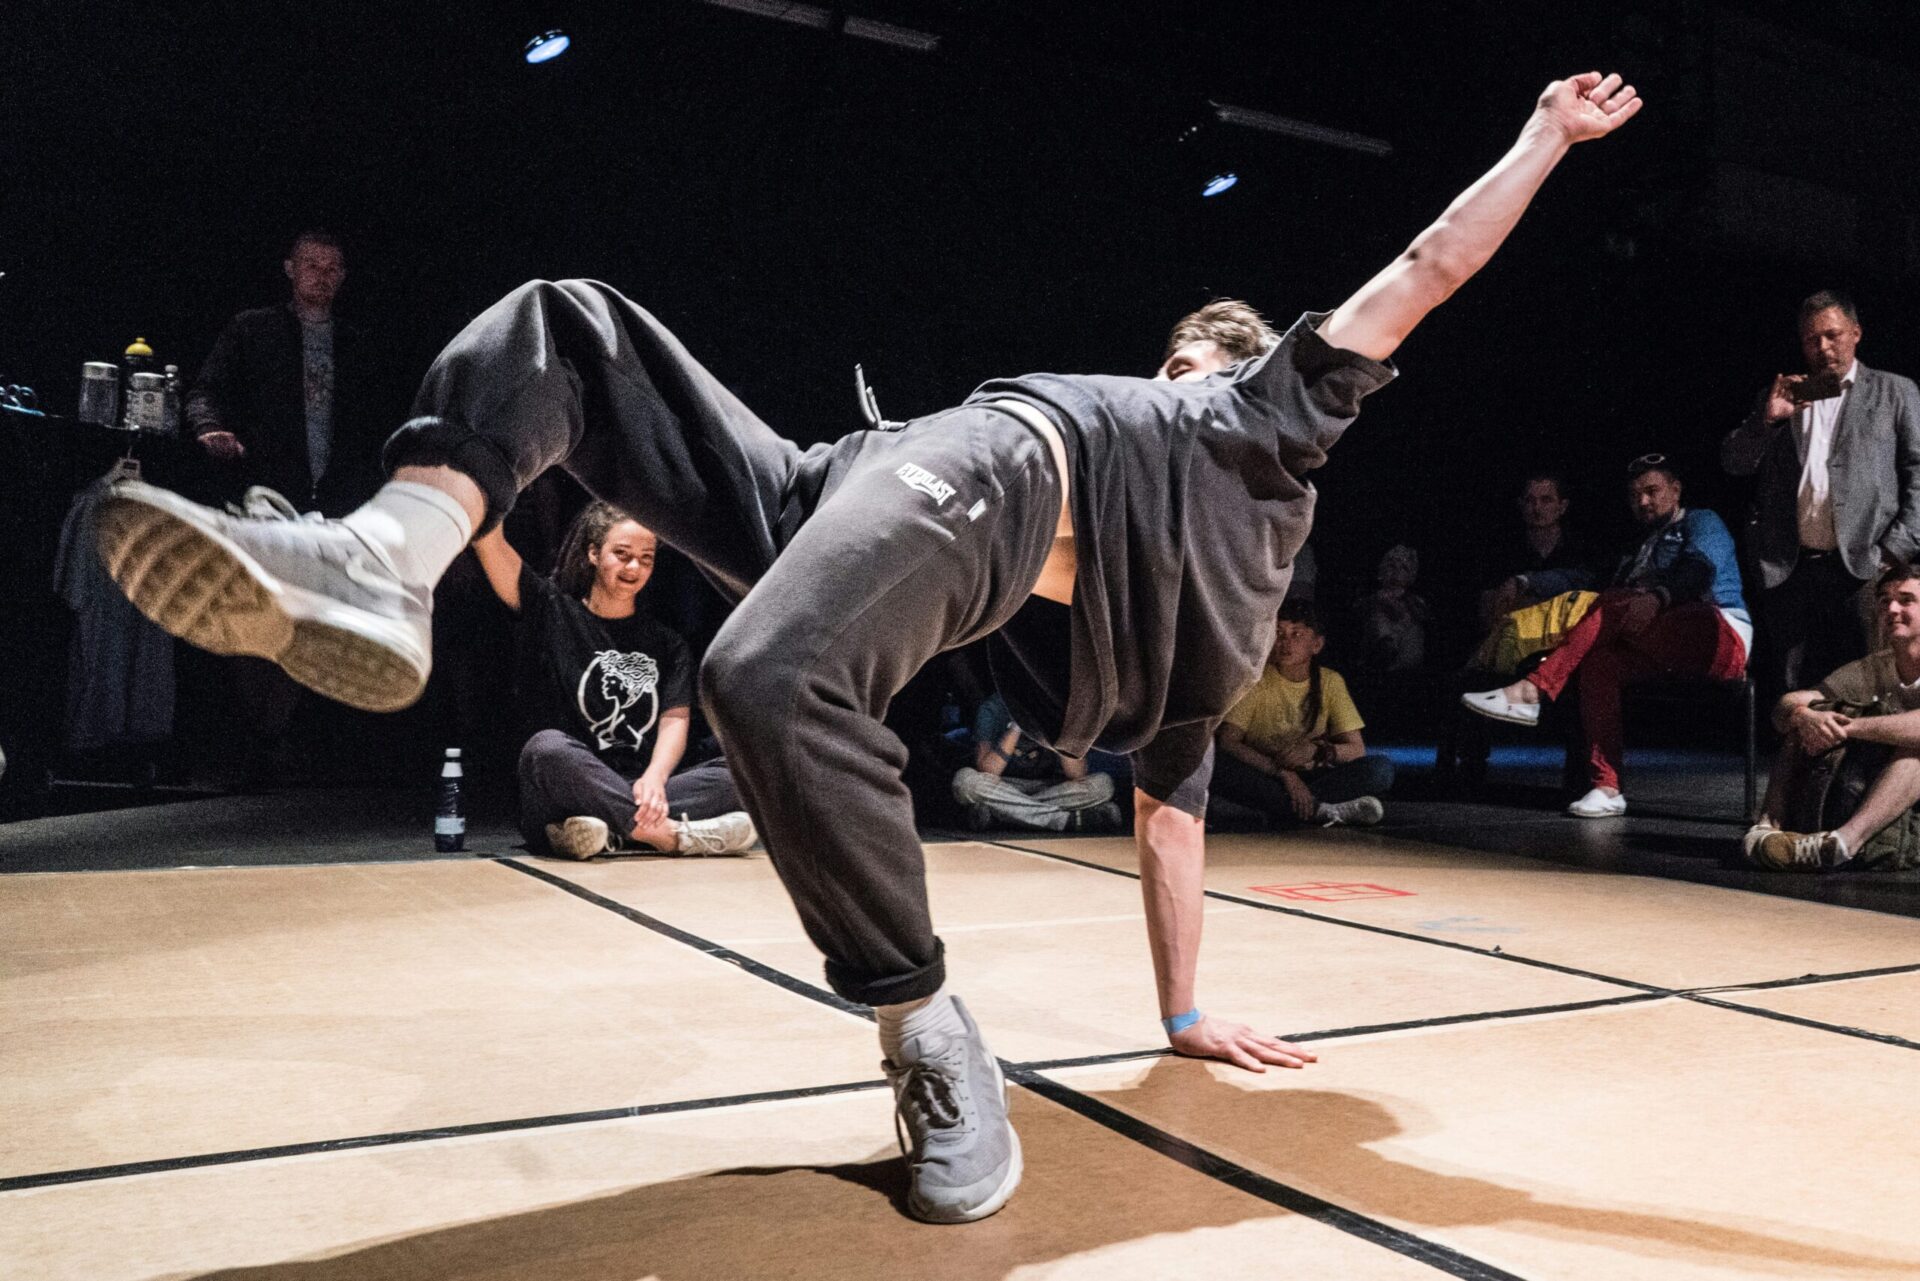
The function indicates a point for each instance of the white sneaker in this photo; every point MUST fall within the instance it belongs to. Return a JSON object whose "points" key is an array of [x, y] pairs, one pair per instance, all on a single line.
{"points": [[1597, 804], [1494, 705], [728, 834], [1362, 811], [581, 836], [306, 593]]}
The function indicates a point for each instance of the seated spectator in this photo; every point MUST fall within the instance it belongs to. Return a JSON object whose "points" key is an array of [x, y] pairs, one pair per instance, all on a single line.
{"points": [[1393, 617], [1292, 747], [1017, 782], [1673, 608], [1540, 561], [1850, 756], [605, 695], [1543, 561]]}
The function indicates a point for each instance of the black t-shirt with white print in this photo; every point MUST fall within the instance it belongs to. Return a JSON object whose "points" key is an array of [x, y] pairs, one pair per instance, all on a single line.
{"points": [[605, 681]]}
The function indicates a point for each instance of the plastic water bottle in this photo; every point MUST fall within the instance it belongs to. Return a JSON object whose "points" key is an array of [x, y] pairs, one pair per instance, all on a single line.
{"points": [[450, 823]]}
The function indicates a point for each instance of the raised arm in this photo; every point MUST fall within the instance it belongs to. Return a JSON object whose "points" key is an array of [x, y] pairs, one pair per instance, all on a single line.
{"points": [[501, 564], [1375, 321]]}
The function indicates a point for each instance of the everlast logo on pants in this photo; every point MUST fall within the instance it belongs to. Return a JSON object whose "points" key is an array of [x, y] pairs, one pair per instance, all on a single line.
{"points": [[926, 482]]}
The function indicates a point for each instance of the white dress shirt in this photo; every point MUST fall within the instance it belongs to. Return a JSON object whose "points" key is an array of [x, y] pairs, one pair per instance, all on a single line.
{"points": [[1813, 425]]}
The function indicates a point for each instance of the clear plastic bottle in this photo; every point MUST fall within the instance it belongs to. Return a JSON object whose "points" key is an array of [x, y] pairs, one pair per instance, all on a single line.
{"points": [[450, 823], [174, 404]]}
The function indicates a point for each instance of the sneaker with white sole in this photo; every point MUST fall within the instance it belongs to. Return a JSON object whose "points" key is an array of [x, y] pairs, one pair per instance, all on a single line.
{"points": [[950, 1115], [582, 836], [1597, 804], [1494, 705], [731, 833], [303, 592], [1361, 811], [1801, 852]]}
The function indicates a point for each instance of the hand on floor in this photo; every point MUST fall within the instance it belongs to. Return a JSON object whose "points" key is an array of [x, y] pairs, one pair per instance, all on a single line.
{"points": [[1238, 1044]]}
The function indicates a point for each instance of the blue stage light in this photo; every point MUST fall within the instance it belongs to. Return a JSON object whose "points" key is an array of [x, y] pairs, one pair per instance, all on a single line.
{"points": [[1219, 183], [548, 45]]}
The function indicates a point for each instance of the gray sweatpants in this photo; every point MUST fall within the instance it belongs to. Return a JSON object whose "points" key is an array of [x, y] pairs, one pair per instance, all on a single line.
{"points": [[854, 564]]}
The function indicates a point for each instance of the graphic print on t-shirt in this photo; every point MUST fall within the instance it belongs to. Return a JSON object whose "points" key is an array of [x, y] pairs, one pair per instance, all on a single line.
{"points": [[611, 686]]}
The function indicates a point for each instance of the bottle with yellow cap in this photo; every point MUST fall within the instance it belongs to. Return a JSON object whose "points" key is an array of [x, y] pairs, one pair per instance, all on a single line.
{"points": [[140, 358]]}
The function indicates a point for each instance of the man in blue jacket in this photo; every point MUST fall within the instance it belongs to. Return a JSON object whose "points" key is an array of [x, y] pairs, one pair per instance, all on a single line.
{"points": [[1673, 608]]}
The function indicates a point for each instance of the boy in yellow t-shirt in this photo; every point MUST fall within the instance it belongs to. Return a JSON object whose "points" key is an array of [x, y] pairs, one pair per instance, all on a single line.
{"points": [[1292, 747]]}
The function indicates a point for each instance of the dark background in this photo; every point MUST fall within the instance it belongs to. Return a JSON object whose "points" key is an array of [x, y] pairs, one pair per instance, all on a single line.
{"points": [[791, 201]]}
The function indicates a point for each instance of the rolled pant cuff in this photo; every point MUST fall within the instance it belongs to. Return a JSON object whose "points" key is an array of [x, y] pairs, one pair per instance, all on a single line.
{"points": [[894, 990], [428, 441]]}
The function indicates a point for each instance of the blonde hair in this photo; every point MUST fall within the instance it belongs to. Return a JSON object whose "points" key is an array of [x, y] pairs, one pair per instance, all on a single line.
{"points": [[1229, 324]]}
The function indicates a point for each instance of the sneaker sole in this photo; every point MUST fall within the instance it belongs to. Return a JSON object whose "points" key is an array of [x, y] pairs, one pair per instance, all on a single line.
{"points": [[1001, 1195], [577, 837], [197, 584]]}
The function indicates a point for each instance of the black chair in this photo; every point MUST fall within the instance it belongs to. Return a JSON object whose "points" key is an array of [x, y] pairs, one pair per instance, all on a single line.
{"points": [[1680, 692]]}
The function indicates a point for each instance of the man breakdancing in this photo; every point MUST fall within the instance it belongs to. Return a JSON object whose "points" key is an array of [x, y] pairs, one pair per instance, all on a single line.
{"points": [[1124, 542]]}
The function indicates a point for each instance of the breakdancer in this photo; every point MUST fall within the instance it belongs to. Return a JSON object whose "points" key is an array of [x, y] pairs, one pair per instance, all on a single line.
{"points": [[1123, 542]]}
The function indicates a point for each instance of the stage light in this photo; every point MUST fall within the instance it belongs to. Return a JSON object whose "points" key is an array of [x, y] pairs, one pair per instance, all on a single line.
{"points": [[548, 45], [1219, 183], [1267, 122]]}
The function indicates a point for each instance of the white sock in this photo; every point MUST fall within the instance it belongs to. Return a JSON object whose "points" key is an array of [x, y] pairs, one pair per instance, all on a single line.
{"points": [[1841, 842], [901, 1023], [419, 527]]}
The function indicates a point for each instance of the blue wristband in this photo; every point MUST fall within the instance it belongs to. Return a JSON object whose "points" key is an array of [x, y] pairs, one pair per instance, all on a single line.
{"points": [[1181, 1022]]}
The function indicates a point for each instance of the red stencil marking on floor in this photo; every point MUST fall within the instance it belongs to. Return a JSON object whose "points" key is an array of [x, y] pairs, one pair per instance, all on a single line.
{"points": [[1331, 891]]}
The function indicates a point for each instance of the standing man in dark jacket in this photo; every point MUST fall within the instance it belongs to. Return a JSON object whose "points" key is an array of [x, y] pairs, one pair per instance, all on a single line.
{"points": [[1837, 454], [282, 402], [283, 395]]}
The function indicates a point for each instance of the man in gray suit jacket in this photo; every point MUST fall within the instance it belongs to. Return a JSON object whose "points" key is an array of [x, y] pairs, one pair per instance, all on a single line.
{"points": [[1837, 450]]}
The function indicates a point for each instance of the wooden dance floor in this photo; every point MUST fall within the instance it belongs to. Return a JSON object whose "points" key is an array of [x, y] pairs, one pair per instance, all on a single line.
{"points": [[520, 1068]]}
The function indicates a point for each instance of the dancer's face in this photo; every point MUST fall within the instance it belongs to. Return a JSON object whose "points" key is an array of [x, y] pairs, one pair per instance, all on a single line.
{"points": [[1900, 606], [1827, 340], [623, 561], [1194, 361]]}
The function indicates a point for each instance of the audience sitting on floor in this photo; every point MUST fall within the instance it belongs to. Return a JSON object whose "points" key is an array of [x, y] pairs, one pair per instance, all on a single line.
{"points": [[1844, 787], [1016, 782], [1292, 747], [1673, 608], [1393, 617]]}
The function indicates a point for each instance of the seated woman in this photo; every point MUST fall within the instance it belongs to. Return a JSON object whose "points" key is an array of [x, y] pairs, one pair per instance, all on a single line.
{"points": [[1292, 748], [604, 692]]}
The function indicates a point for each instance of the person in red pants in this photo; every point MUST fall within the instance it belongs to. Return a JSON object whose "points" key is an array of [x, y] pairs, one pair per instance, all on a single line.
{"points": [[1674, 608]]}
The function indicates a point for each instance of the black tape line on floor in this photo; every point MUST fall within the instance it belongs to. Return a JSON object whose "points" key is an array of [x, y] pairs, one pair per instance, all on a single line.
{"points": [[1188, 1154], [127, 1170], [1224, 897], [779, 978], [1841, 1029], [1259, 1185], [1373, 1029], [1809, 980]]}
